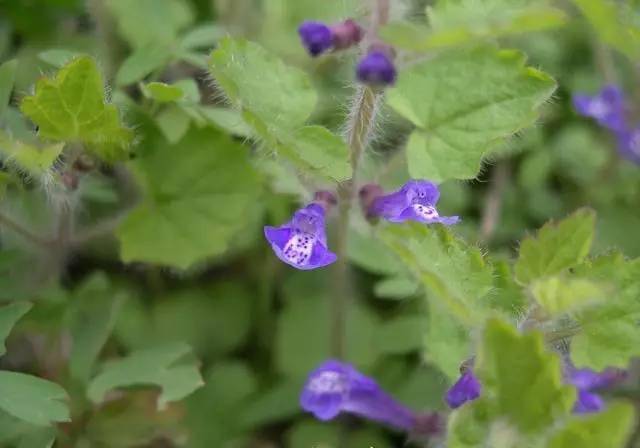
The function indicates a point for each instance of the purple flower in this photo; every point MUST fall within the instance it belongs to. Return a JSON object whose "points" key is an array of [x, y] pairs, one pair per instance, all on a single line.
{"points": [[629, 144], [319, 38], [376, 69], [316, 37], [415, 201], [467, 388], [336, 387], [585, 381], [606, 107], [302, 242]]}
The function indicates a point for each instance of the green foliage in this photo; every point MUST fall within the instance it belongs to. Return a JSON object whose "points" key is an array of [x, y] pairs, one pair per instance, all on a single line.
{"points": [[71, 108], [557, 295], [29, 158], [201, 188], [609, 428], [511, 384], [462, 22], [454, 130], [9, 315], [613, 27], [7, 79], [169, 367], [556, 247], [276, 101], [32, 399]]}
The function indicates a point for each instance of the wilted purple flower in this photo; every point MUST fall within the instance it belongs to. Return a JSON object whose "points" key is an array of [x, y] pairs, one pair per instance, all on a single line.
{"points": [[586, 381], [415, 201], [467, 388], [629, 144], [302, 242], [606, 107], [336, 387], [318, 37], [376, 69]]}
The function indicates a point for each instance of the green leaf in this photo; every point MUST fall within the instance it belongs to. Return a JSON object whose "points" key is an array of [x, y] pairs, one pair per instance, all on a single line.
{"points": [[164, 367], [257, 81], [276, 105], [71, 108], [198, 193], [145, 22], [401, 335], [609, 333], [174, 123], [58, 57], [9, 315], [454, 273], [609, 428], [556, 247], [397, 287], [28, 158], [32, 399], [226, 119], [141, 63], [467, 21], [511, 384], [456, 126], [612, 26], [202, 36], [162, 93], [92, 318], [7, 79], [447, 342], [557, 295]]}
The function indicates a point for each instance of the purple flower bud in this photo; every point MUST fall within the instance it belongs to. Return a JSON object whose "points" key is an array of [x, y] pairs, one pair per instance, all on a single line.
{"points": [[326, 199], [346, 34], [606, 107], [467, 388], [415, 201], [376, 69], [316, 37], [302, 242], [629, 145], [585, 381], [336, 387]]}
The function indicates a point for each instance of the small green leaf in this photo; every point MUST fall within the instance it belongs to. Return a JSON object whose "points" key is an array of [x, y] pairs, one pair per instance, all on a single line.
{"points": [[257, 81], [457, 127], [164, 367], [522, 396], [397, 287], [7, 79], [9, 315], [58, 58], [202, 36], [198, 193], [453, 273], [609, 428], [92, 318], [32, 399], [30, 159], [321, 151], [557, 295], [556, 247], [174, 123], [161, 92], [141, 63], [226, 119], [71, 108]]}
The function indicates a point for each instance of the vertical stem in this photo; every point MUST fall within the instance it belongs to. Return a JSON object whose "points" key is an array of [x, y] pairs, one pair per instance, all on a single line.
{"points": [[493, 204], [360, 125]]}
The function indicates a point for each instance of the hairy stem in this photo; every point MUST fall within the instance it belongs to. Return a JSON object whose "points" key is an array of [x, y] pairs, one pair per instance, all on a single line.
{"points": [[361, 122], [493, 203]]}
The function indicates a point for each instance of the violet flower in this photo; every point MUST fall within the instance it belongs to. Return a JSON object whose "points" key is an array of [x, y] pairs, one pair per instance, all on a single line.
{"points": [[376, 69], [302, 242], [586, 381], [336, 387], [606, 107], [415, 201], [467, 388], [629, 145], [318, 37]]}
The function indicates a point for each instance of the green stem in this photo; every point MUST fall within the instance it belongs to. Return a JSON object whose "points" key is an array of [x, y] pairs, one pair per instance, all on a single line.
{"points": [[360, 126]]}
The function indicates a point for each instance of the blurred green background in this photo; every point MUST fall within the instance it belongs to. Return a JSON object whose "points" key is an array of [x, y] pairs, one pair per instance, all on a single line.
{"points": [[257, 326]]}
